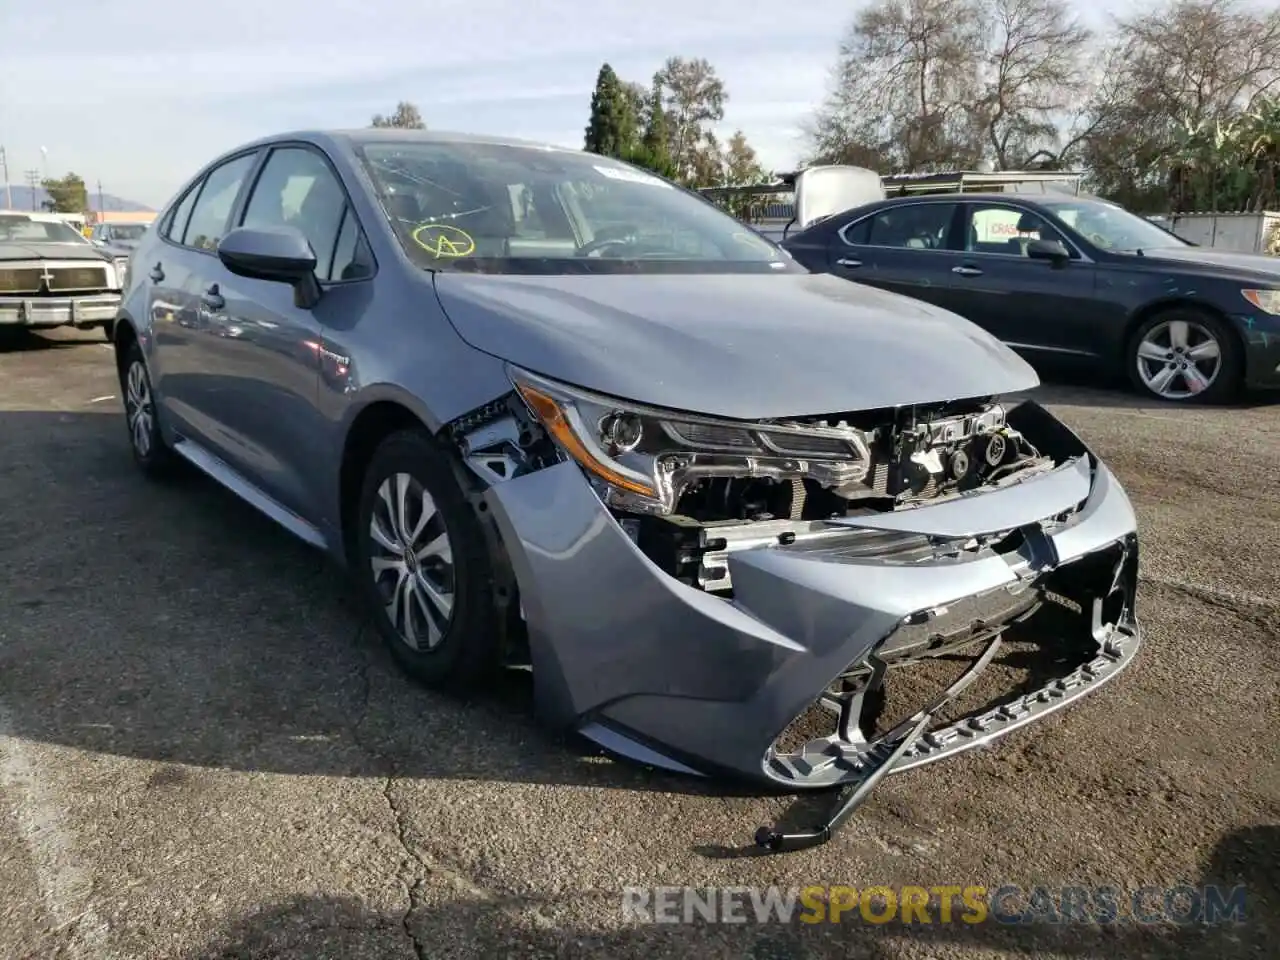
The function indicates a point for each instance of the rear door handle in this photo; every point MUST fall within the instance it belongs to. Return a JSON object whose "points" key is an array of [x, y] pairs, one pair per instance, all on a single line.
{"points": [[967, 271], [213, 299], [157, 273], [845, 262]]}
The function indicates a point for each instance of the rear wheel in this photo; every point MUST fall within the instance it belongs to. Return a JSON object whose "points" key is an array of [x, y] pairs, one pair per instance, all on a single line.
{"points": [[424, 565], [1184, 355], [150, 452]]}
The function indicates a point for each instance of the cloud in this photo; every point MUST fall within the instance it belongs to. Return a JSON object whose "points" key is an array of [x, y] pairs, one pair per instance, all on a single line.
{"points": [[145, 91]]}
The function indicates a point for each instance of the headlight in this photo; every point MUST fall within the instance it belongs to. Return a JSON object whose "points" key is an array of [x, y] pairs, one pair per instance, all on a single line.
{"points": [[122, 271], [1268, 301], [642, 458]]}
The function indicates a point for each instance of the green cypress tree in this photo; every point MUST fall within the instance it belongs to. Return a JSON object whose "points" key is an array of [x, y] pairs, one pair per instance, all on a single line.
{"points": [[612, 127]]}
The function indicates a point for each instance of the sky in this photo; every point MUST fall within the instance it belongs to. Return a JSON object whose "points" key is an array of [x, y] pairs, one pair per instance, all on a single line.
{"points": [[138, 94]]}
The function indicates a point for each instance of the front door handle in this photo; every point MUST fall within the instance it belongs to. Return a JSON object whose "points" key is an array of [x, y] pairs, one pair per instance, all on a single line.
{"points": [[157, 273], [846, 262], [967, 271], [213, 299]]}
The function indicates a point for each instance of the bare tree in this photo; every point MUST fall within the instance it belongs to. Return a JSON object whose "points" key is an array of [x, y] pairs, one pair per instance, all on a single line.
{"points": [[1032, 76], [906, 78], [927, 84]]}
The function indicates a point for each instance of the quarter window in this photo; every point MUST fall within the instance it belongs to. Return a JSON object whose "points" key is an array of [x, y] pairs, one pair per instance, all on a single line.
{"points": [[912, 226], [213, 206], [351, 257]]}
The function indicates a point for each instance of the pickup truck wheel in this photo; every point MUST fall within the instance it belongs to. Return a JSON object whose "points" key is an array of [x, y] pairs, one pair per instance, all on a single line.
{"points": [[150, 452], [1184, 355], [424, 565]]}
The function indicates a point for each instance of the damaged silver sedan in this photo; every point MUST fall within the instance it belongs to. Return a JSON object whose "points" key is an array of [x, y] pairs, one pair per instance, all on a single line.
{"points": [[555, 412]]}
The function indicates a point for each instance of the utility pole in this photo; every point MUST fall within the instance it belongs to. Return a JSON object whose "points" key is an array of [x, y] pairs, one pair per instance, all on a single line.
{"points": [[33, 181], [8, 190], [101, 206]]}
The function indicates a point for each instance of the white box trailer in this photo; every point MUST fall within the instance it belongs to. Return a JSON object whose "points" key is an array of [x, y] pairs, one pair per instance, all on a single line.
{"points": [[1238, 232]]}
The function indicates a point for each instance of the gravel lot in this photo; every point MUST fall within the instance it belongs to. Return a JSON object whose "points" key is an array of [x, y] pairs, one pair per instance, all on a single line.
{"points": [[204, 753]]}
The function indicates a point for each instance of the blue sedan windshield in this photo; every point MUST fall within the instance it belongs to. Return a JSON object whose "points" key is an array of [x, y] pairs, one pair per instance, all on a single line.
{"points": [[461, 205]]}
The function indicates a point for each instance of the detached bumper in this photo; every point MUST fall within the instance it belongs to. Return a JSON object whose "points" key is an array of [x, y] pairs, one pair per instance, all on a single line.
{"points": [[672, 676], [59, 311]]}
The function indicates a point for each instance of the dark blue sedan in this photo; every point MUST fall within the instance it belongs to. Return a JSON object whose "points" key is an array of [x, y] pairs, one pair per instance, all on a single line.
{"points": [[1072, 278]]}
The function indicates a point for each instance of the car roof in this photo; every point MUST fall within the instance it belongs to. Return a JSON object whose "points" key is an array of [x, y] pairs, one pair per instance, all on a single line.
{"points": [[996, 197], [365, 135]]}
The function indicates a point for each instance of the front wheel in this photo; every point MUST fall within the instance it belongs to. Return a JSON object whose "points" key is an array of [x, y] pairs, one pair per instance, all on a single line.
{"points": [[1184, 355], [424, 565]]}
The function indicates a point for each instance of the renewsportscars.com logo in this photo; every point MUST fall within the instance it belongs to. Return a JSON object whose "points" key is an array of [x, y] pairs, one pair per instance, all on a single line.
{"points": [[938, 904]]}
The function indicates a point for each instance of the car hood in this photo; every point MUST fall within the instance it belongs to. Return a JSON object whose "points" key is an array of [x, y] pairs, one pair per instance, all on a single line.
{"points": [[13, 250], [741, 346], [1248, 264]]}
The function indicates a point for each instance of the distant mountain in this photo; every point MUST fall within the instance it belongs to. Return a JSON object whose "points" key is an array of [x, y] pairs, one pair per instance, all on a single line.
{"points": [[22, 200]]}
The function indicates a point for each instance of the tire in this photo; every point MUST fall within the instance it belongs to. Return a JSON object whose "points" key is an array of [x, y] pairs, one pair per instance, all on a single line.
{"points": [[452, 650], [150, 453], [1218, 383], [109, 332]]}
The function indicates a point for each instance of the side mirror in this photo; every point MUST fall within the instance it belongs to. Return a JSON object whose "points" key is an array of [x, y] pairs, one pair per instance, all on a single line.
{"points": [[1051, 250], [277, 254]]}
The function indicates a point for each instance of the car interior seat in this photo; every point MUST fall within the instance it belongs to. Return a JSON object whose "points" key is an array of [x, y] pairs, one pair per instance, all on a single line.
{"points": [[1027, 223]]}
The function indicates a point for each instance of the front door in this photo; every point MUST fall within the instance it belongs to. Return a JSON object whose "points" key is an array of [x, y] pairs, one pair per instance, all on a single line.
{"points": [[265, 349], [1032, 305], [903, 248]]}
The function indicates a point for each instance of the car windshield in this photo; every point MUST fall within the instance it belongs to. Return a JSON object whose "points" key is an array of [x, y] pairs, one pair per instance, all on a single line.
{"points": [[1110, 227], [499, 208], [26, 230], [128, 231]]}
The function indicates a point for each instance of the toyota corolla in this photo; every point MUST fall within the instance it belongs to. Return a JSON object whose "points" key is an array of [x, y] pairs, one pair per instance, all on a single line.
{"points": [[554, 412]]}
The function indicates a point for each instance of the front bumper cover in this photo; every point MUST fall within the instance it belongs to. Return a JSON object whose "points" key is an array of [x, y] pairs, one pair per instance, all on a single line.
{"points": [[41, 312], [668, 675]]}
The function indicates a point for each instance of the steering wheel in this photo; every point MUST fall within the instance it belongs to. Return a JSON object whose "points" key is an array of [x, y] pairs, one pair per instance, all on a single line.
{"points": [[595, 246]]}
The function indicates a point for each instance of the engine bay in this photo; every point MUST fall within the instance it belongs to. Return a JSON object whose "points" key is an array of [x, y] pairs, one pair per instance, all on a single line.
{"points": [[915, 456], [726, 487]]}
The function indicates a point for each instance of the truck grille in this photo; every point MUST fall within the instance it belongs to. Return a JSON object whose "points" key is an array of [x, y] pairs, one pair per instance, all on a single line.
{"points": [[68, 278], [20, 280], [77, 278]]}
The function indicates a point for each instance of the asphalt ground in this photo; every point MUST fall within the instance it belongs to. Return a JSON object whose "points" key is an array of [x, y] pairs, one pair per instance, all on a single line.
{"points": [[205, 753]]}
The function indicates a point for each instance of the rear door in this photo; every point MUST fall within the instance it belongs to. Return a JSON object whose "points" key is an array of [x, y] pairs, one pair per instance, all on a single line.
{"points": [[903, 247], [1032, 305], [182, 317]]}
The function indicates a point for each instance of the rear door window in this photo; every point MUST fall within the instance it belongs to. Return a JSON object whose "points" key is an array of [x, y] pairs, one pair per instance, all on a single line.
{"points": [[213, 206]]}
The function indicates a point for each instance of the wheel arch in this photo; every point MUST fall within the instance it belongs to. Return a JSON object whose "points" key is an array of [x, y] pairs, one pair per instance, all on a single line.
{"points": [[372, 424], [1147, 311], [123, 335]]}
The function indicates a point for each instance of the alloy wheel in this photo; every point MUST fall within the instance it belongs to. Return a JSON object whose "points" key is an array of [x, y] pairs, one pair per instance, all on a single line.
{"points": [[1179, 359], [139, 409], [411, 559]]}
